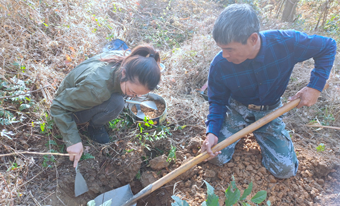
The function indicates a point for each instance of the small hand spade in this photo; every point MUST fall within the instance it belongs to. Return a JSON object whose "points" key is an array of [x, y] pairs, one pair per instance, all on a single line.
{"points": [[80, 186]]}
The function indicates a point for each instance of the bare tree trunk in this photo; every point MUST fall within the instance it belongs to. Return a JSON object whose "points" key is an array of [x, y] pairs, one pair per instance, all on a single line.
{"points": [[324, 12], [289, 10], [327, 6]]}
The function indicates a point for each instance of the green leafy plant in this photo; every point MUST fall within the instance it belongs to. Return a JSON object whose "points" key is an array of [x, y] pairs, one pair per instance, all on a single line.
{"points": [[48, 161], [123, 122], [324, 117], [149, 132], [232, 194], [181, 127], [212, 199], [86, 156], [15, 93], [128, 151], [320, 147], [5, 133], [14, 166], [138, 175], [47, 124], [54, 147], [178, 201], [172, 154]]}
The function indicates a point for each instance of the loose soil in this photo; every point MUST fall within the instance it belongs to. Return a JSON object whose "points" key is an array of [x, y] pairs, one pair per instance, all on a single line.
{"points": [[123, 160], [151, 113], [316, 183]]}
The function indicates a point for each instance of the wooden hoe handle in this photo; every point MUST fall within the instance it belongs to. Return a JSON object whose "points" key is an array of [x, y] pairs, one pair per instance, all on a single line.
{"points": [[200, 158]]}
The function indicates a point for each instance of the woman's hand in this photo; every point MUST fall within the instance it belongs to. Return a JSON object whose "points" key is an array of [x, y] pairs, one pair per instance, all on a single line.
{"points": [[75, 152], [208, 143]]}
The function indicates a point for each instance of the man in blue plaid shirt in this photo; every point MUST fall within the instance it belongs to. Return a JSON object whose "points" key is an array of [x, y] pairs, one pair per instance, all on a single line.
{"points": [[248, 77]]}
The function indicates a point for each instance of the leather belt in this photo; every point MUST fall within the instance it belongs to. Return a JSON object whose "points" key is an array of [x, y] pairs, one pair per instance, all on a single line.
{"points": [[264, 107]]}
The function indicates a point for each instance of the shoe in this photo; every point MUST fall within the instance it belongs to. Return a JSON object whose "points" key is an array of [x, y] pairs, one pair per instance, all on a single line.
{"points": [[98, 134]]}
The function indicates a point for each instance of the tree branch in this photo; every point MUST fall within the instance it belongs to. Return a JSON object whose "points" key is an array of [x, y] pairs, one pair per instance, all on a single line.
{"points": [[36, 153], [321, 126]]}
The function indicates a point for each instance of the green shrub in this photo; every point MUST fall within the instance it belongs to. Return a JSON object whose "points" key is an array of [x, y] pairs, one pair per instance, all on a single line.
{"points": [[232, 194]]}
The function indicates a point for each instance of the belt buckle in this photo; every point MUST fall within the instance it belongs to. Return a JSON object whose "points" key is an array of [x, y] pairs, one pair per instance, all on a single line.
{"points": [[254, 107]]}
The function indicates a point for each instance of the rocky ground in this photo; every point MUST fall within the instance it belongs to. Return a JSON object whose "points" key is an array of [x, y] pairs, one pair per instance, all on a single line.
{"points": [[37, 180], [317, 181]]}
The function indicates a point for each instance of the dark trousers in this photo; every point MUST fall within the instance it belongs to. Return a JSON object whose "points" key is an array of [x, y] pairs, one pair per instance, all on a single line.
{"points": [[99, 115]]}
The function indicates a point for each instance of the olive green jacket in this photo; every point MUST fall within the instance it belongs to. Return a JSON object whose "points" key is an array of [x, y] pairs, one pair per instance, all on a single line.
{"points": [[89, 84]]}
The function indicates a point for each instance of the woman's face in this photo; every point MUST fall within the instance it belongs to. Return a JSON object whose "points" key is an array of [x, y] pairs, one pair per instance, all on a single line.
{"points": [[132, 89]]}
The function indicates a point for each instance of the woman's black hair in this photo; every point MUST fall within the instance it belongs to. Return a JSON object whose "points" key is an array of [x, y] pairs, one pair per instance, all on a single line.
{"points": [[143, 64]]}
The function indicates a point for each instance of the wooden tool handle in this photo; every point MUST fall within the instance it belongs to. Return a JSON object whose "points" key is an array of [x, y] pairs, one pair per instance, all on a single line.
{"points": [[200, 158]]}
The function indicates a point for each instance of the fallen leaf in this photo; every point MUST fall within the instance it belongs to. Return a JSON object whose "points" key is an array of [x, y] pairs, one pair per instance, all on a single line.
{"points": [[72, 49], [68, 58]]}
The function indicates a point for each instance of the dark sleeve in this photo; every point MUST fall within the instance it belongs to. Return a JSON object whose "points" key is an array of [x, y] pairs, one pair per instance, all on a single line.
{"points": [[218, 98]]}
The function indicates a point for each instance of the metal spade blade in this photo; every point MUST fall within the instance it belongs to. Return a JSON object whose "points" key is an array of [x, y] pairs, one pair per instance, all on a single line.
{"points": [[119, 196], [139, 114], [80, 186], [149, 104]]}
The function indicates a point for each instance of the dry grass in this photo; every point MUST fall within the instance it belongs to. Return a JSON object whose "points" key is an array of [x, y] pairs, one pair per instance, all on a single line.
{"points": [[42, 41]]}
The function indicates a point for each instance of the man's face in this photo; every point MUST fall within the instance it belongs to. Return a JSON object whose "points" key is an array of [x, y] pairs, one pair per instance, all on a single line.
{"points": [[237, 53]]}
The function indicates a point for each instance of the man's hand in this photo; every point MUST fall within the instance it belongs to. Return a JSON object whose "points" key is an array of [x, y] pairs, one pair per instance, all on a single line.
{"points": [[208, 143], [308, 96], [75, 152]]}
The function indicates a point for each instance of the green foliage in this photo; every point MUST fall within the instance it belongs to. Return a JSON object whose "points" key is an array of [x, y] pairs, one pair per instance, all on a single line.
{"points": [[138, 175], [326, 116], [46, 125], [178, 201], [128, 151], [247, 191], [5, 133], [120, 123], [181, 127], [54, 147], [17, 95], [48, 161], [14, 166], [149, 132], [172, 154], [320, 147], [259, 197], [86, 156], [212, 199], [6, 117], [232, 194]]}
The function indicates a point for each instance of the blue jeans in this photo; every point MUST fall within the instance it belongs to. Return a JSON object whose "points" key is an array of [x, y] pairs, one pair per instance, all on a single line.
{"points": [[278, 154]]}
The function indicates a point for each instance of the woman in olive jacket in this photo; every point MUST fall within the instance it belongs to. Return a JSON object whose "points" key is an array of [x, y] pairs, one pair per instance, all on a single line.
{"points": [[93, 92]]}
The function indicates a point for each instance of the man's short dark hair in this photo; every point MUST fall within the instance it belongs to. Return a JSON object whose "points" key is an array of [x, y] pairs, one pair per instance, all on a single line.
{"points": [[235, 24]]}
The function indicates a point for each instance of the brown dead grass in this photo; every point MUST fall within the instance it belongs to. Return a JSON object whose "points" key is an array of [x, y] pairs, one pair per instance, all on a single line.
{"points": [[50, 37]]}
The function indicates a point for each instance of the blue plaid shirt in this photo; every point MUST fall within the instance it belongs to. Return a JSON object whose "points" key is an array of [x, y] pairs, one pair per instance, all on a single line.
{"points": [[263, 80]]}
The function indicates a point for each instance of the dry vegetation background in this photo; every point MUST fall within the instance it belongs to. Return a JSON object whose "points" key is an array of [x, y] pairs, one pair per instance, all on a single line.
{"points": [[41, 41]]}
